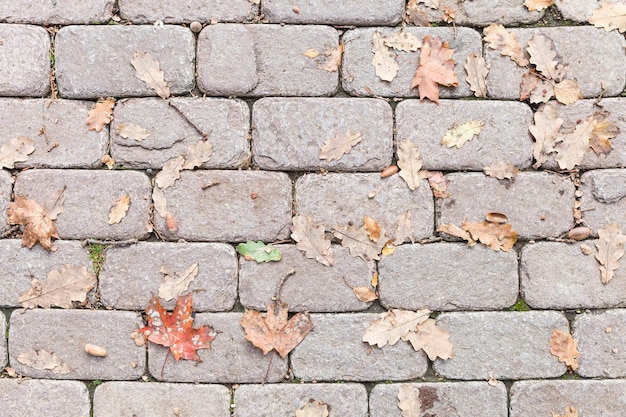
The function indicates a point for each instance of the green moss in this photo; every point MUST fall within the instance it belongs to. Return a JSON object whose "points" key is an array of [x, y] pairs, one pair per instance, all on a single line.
{"points": [[96, 254], [570, 375], [520, 306]]}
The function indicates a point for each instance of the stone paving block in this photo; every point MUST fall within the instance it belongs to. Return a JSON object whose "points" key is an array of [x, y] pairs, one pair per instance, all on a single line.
{"points": [[596, 64], [334, 351], [150, 11], [83, 71], [64, 332], [469, 399], [114, 399], [348, 400], [288, 133], [448, 276], [350, 12], [275, 68], [240, 206], [21, 265], [600, 398], [558, 275], [579, 10], [537, 204], [6, 186], [40, 397], [231, 359], [504, 138], [56, 12], [3, 342], [89, 196], [314, 287], [511, 345], [171, 125], [58, 128], [24, 61], [337, 199], [359, 77], [604, 198], [483, 12], [601, 339], [130, 274]]}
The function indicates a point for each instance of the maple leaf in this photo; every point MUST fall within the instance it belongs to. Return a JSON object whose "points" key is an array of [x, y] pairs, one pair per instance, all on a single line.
{"points": [[403, 41], [501, 170], [393, 325], [372, 228], [258, 251], [170, 172], [404, 230], [60, 288], [610, 16], [528, 85], [496, 236], [436, 68], [17, 150], [131, 131], [569, 412], [147, 70], [44, 361], [477, 70], [197, 154], [119, 210], [459, 134], [498, 38], [538, 5], [409, 401], [545, 132], [173, 286], [101, 114], [410, 163], [313, 408], [565, 347], [311, 239], [431, 339], [542, 56], [610, 246], [567, 91], [573, 146], [602, 133], [175, 330], [275, 332], [358, 242], [384, 61], [339, 145]]}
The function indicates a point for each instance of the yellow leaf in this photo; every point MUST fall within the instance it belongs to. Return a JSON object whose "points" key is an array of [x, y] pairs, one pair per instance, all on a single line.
{"points": [[119, 210], [148, 70], [538, 5], [459, 134], [101, 114], [565, 347], [610, 16], [410, 163], [567, 92], [384, 61]]}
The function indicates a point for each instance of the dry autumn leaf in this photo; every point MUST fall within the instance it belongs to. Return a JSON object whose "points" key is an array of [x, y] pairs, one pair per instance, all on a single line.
{"points": [[384, 61], [567, 92], [573, 146], [610, 249], [538, 5], [569, 412], [409, 401], [565, 347], [331, 59], [543, 92], [410, 163], [311, 239], [415, 15], [542, 56], [60, 288], [131, 131], [393, 325], [173, 286], [119, 210], [528, 85], [610, 16], [433, 4], [372, 228], [496, 236], [545, 132], [197, 154], [339, 145], [170, 172], [313, 408], [432, 339], [148, 70], [365, 294], [602, 133], [448, 14], [101, 114], [477, 70], [358, 242], [44, 361], [404, 229], [501, 170], [498, 38], [438, 183], [17, 150], [436, 68], [108, 160], [403, 41], [459, 134], [159, 200], [454, 230]]}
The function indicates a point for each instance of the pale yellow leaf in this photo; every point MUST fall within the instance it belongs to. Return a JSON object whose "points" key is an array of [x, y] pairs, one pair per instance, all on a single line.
{"points": [[339, 145], [543, 92], [393, 325], [16, 150], [174, 285], [565, 347], [545, 131], [410, 163], [501, 170], [197, 154], [432, 339], [311, 239], [148, 70], [44, 361], [542, 56], [131, 131], [459, 134], [610, 249], [101, 114], [573, 146], [119, 210], [567, 91], [384, 61], [538, 5], [402, 41], [498, 38], [60, 288], [409, 401], [610, 16], [477, 71], [170, 172]]}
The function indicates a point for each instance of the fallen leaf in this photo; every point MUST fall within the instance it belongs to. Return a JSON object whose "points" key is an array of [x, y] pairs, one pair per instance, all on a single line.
{"points": [[372, 228], [448, 14], [433, 4], [101, 114], [438, 183], [610, 16], [415, 15], [119, 210], [528, 85], [311, 53], [454, 230], [131, 131], [573, 146], [148, 70], [436, 68], [565, 347], [393, 325], [388, 248], [403, 41], [313, 408], [459, 134], [542, 56], [339, 145], [501, 170], [538, 5], [404, 230], [173, 286], [331, 60], [602, 133], [358, 242], [610, 249], [384, 61], [365, 294], [258, 251], [432, 339], [409, 401], [170, 173], [498, 38], [60, 288], [17, 150], [496, 236], [311, 239], [569, 412], [543, 92], [197, 154], [477, 70], [410, 163], [545, 132], [44, 361], [108, 161], [160, 203], [567, 92], [275, 332]]}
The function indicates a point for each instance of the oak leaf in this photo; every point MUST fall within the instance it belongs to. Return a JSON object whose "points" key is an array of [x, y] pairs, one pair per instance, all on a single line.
{"points": [[448, 14], [339, 145], [415, 15], [432, 339], [602, 133], [501, 170], [358, 242], [569, 412], [44, 361], [60, 288], [404, 229], [311, 239], [496, 236], [403, 41], [542, 56], [545, 131], [170, 172], [477, 70], [610, 16], [436, 67], [197, 154], [610, 249], [119, 210], [454, 230], [565, 347], [173, 286], [101, 114], [384, 61], [543, 92], [538, 5], [498, 38], [159, 200], [147, 69], [131, 131], [528, 85], [409, 401], [16, 150], [313, 408], [393, 325], [410, 163], [459, 134], [567, 91], [573, 146], [372, 228]]}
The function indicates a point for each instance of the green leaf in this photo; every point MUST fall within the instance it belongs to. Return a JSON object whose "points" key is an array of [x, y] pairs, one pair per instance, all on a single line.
{"points": [[258, 251]]}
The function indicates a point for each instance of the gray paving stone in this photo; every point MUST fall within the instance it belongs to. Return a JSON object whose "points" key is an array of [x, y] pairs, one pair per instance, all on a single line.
{"points": [[245, 205], [558, 276], [6, 187], [114, 399], [131, 273], [171, 126], [337, 199], [231, 359], [604, 198], [511, 345], [470, 399], [24, 61], [288, 133], [281, 67], [358, 75], [89, 196], [40, 397], [146, 11], [314, 287], [537, 204], [600, 398], [504, 138], [56, 12], [20, 265], [601, 339], [579, 10], [83, 71], [63, 332], [3, 342], [334, 351], [349, 400], [593, 63], [448, 276], [58, 128], [483, 12], [351, 12]]}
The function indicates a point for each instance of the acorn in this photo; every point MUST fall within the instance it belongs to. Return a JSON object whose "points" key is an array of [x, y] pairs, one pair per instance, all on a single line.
{"points": [[579, 233], [389, 171], [95, 350]]}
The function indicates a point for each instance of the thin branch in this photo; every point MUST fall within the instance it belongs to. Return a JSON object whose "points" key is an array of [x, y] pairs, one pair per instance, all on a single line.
{"points": [[111, 243], [280, 284]]}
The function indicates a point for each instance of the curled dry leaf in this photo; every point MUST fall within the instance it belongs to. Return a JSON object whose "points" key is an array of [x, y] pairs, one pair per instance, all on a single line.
{"points": [[496, 236], [101, 114], [173, 286], [403, 41], [384, 61], [339, 145], [132, 131], [119, 210], [545, 132], [501, 170], [372, 228], [147, 70], [60, 288], [477, 70], [432, 339], [44, 361], [436, 67], [538, 5], [495, 217], [17, 150], [610, 16], [459, 134], [569, 412], [565, 347], [410, 163], [409, 401], [498, 38], [404, 230], [365, 294], [454, 230], [313, 408], [610, 249], [358, 242], [108, 160], [311, 239], [393, 325], [170, 172]]}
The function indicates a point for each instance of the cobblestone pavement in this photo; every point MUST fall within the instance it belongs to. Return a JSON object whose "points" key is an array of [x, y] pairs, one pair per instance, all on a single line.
{"points": [[238, 75]]}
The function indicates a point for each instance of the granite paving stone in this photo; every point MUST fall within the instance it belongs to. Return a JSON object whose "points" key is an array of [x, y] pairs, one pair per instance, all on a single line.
{"points": [[56, 12], [347, 12], [6, 187], [334, 351], [24, 61], [3, 343], [359, 77], [288, 133], [522, 349], [239, 206], [83, 71], [64, 332], [604, 198], [482, 12], [114, 399], [579, 10], [177, 123], [349, 400], [144, 11], [601, 339], [448, 276], [504, 137], [231, 359], [537, 204], [40, 397], [89, 196]]}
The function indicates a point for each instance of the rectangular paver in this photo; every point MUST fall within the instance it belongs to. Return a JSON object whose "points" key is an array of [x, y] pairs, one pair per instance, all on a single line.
{"points": [[3, 342], [56, 12], [604, 198], [6, 187], [149, 11], [40, 397], [346, 12], [289, 133], [24, 60], [481, 12], [601, 339]]}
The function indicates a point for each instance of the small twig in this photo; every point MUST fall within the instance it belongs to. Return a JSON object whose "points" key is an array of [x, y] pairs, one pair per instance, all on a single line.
{"points": [[587, 209], [210, 184], [205, 135], [269, 365], [280, 284], [353, 238], [10, 230], [111, 243]]}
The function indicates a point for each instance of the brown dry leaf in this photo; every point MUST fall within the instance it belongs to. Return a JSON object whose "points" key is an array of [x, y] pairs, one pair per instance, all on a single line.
{"points": [[543, 92], [436, 68], [610, 16], [44, 361], [501, 170], [311, 239], [454, 230], [542, 56], [160, 203], [496, 236], [119, 210], [459, 134], [372, 228], [602, 133], [384, 61], [148, 70], [313, 408], [410, 163], [448, 14], [170, 172], [432, 339], [415, 15], [365, 294], [538, 5], [528, 85], [132, 131], [477, 70], [501, 40], [567, 92], [358, 242], [610, 249], [438, 184], [197, 154], [569, 412], [339, 145], [565, 347], [108, 160], [393, 325], [60, 288], [174, 285], [101, 114], [404, 230], [403, 41], [573, 146], [331, 60], [409, 401], [545, 131], [17, 150]]}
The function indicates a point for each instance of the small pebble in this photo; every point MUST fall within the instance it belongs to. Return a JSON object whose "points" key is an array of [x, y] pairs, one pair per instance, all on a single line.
{"points": [[195, 26]]}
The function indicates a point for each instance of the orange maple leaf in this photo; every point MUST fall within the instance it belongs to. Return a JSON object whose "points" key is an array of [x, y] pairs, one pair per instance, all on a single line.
{"points": [[37, 219], [436, 68]]}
